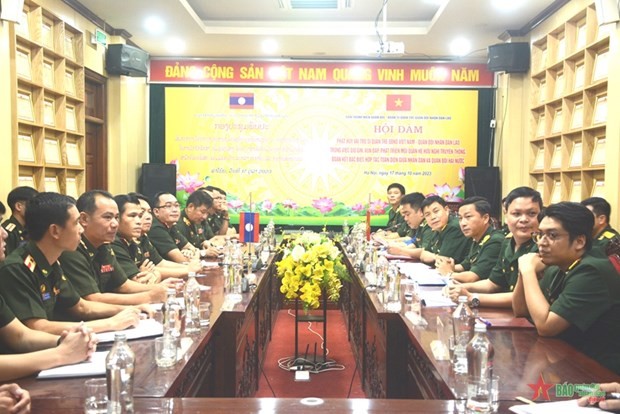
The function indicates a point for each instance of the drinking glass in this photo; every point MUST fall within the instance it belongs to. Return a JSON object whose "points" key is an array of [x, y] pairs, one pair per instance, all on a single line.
{"points": [[96, 401], [165, 351]]}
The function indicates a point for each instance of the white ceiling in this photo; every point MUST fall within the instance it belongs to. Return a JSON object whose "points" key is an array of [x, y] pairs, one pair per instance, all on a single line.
{"points": [[236, 28]]}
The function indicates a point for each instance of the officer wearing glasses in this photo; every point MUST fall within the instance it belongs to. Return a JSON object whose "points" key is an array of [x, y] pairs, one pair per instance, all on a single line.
{"points": [[568, 292]]}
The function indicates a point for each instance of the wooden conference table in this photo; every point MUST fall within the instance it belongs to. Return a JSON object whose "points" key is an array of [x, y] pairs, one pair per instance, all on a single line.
{"points": [[395, 358]]}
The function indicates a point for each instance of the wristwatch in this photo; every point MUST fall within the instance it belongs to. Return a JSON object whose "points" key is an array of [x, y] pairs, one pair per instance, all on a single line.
{"points": [[475, 300]]}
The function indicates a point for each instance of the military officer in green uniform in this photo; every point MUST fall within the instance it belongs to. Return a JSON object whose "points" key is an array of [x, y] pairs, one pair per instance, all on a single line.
{"points": [[164, 235], [523, 205], [578, 297], [93, 269], [219, 220], [602, 232], [396, 226], [446, 238], [14, 225], [192, 224], [411, 211], [34, 284], [146, 254], [475, 222]]}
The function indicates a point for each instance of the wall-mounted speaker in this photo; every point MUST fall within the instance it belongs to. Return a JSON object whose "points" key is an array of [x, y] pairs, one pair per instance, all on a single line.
{"points": [[156, 178], [509, 57], [11, 10], [485, 182], [126, 60], [607, 11]]}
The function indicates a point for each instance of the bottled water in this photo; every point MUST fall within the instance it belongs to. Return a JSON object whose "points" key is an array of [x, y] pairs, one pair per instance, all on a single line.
{"points": [[463, 323], [192, 304], [172, 315], [382, 271], [480, 371], [119, 365]]}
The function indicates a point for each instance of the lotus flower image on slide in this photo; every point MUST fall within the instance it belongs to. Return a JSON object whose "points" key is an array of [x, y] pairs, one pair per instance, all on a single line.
{"points": [[323, 204]]}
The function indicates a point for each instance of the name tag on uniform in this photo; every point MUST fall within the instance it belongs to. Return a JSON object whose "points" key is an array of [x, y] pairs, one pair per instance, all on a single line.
{"points": [[46, 296], [107, 268]]}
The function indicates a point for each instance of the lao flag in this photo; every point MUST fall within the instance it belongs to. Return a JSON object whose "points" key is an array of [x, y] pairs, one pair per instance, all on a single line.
{"points": [[398, 103], [244, 100], [248, 227]]}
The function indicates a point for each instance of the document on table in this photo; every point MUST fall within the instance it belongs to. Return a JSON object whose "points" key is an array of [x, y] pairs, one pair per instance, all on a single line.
{"points": [[146, 328], [422, 274], [564, 407], [435, 299], [96, 366]]}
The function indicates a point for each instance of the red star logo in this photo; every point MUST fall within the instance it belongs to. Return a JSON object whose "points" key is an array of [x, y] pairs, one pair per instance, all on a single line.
{"points": [[540, 389]]}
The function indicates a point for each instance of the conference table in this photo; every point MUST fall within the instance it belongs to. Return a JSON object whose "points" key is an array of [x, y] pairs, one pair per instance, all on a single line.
{"points": [[395, 357]]}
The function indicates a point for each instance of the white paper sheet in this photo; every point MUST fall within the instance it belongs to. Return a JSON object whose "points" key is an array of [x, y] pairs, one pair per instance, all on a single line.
{"points": [[96, 366], [564, 407], [146, 328], [422, 274]]}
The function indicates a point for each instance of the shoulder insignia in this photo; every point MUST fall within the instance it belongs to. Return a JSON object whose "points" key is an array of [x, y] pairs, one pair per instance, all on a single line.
{"points": [[484, 240], [42, 288], [508, 236], [10, 227], [186, 221], [30, 263], [607, 235], [112, 252]]}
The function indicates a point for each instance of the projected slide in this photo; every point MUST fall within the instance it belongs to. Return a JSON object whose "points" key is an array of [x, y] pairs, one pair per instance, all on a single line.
{"points": [[312, 156]]}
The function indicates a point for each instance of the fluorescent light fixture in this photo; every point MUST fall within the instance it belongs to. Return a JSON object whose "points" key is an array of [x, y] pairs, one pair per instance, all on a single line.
{"points": [[460, 46], [154, 25]]}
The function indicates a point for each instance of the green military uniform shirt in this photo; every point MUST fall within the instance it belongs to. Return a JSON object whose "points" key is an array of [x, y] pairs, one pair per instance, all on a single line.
{"points": [[125, 252], [33, 288], [93, 270], [601, 240], [588, 296], [6, 315], [483, 254], [166, 239], [147, 251], [450, 241], [506, 269], [422, 236], [16, 234], [396, 223], [215, 223], [196, 234]]}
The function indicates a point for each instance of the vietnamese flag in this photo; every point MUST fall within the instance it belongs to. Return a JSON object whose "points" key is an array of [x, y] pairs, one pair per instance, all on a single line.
{"points": [[249, 226], [398, 103], [244, 100]]}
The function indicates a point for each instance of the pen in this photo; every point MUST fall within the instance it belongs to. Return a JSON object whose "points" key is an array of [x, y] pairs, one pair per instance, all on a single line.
{"points": [[524, 400], [485, 321]]}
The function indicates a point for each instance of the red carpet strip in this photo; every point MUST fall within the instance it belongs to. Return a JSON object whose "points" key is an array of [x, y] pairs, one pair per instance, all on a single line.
{"points": [[279, 383]]}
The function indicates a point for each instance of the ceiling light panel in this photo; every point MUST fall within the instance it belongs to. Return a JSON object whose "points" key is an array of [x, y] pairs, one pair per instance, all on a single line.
{"points": [[315, 4]]}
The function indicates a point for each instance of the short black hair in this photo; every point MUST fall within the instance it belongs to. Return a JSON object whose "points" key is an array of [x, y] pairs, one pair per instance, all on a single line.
{"points": [[400, 187], [199, 198], [87, 202], [481, 204], [46, 209], [576, 219], [219, 190], [155, 202], [600, 206], [2, 209], [23, 193], [523, 192], [140, 196], [433, 199], [123, 199], [414, 200]]}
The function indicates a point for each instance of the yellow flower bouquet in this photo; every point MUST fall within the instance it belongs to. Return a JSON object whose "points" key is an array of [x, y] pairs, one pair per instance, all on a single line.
{"points": [[311, 264]]}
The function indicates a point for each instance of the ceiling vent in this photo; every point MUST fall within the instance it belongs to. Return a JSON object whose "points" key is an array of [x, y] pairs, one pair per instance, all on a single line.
{"points": [[315, 4]]}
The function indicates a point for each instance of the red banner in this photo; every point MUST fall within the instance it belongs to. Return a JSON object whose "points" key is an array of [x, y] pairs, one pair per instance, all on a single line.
{"points": [[319, 73]]}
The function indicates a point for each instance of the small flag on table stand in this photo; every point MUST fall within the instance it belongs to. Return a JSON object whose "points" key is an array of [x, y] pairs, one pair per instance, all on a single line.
{"points": [[249, 226]]}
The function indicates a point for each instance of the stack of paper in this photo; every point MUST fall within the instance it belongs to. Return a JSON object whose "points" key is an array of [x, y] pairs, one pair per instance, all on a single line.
{"points": [[422, 274], [96, 366], [146, 328]]}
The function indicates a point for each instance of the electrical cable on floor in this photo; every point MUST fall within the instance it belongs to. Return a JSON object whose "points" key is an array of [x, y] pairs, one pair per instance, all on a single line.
{"points": [[352, 379], [268, 383]]}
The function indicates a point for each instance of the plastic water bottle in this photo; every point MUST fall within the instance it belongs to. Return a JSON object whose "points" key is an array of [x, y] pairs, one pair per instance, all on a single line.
{"points": [[382, 271], [480, 354], [119, 365], [192, 304], [463, 323]]}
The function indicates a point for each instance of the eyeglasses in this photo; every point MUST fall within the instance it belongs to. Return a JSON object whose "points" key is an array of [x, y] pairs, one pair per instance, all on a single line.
{"points": [[551, 236], [169, 205]]}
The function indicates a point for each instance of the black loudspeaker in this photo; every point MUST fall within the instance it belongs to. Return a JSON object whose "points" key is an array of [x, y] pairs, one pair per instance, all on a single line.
{"points": [[485, 182], [156, 178], [509, 57], [126, 60]]}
